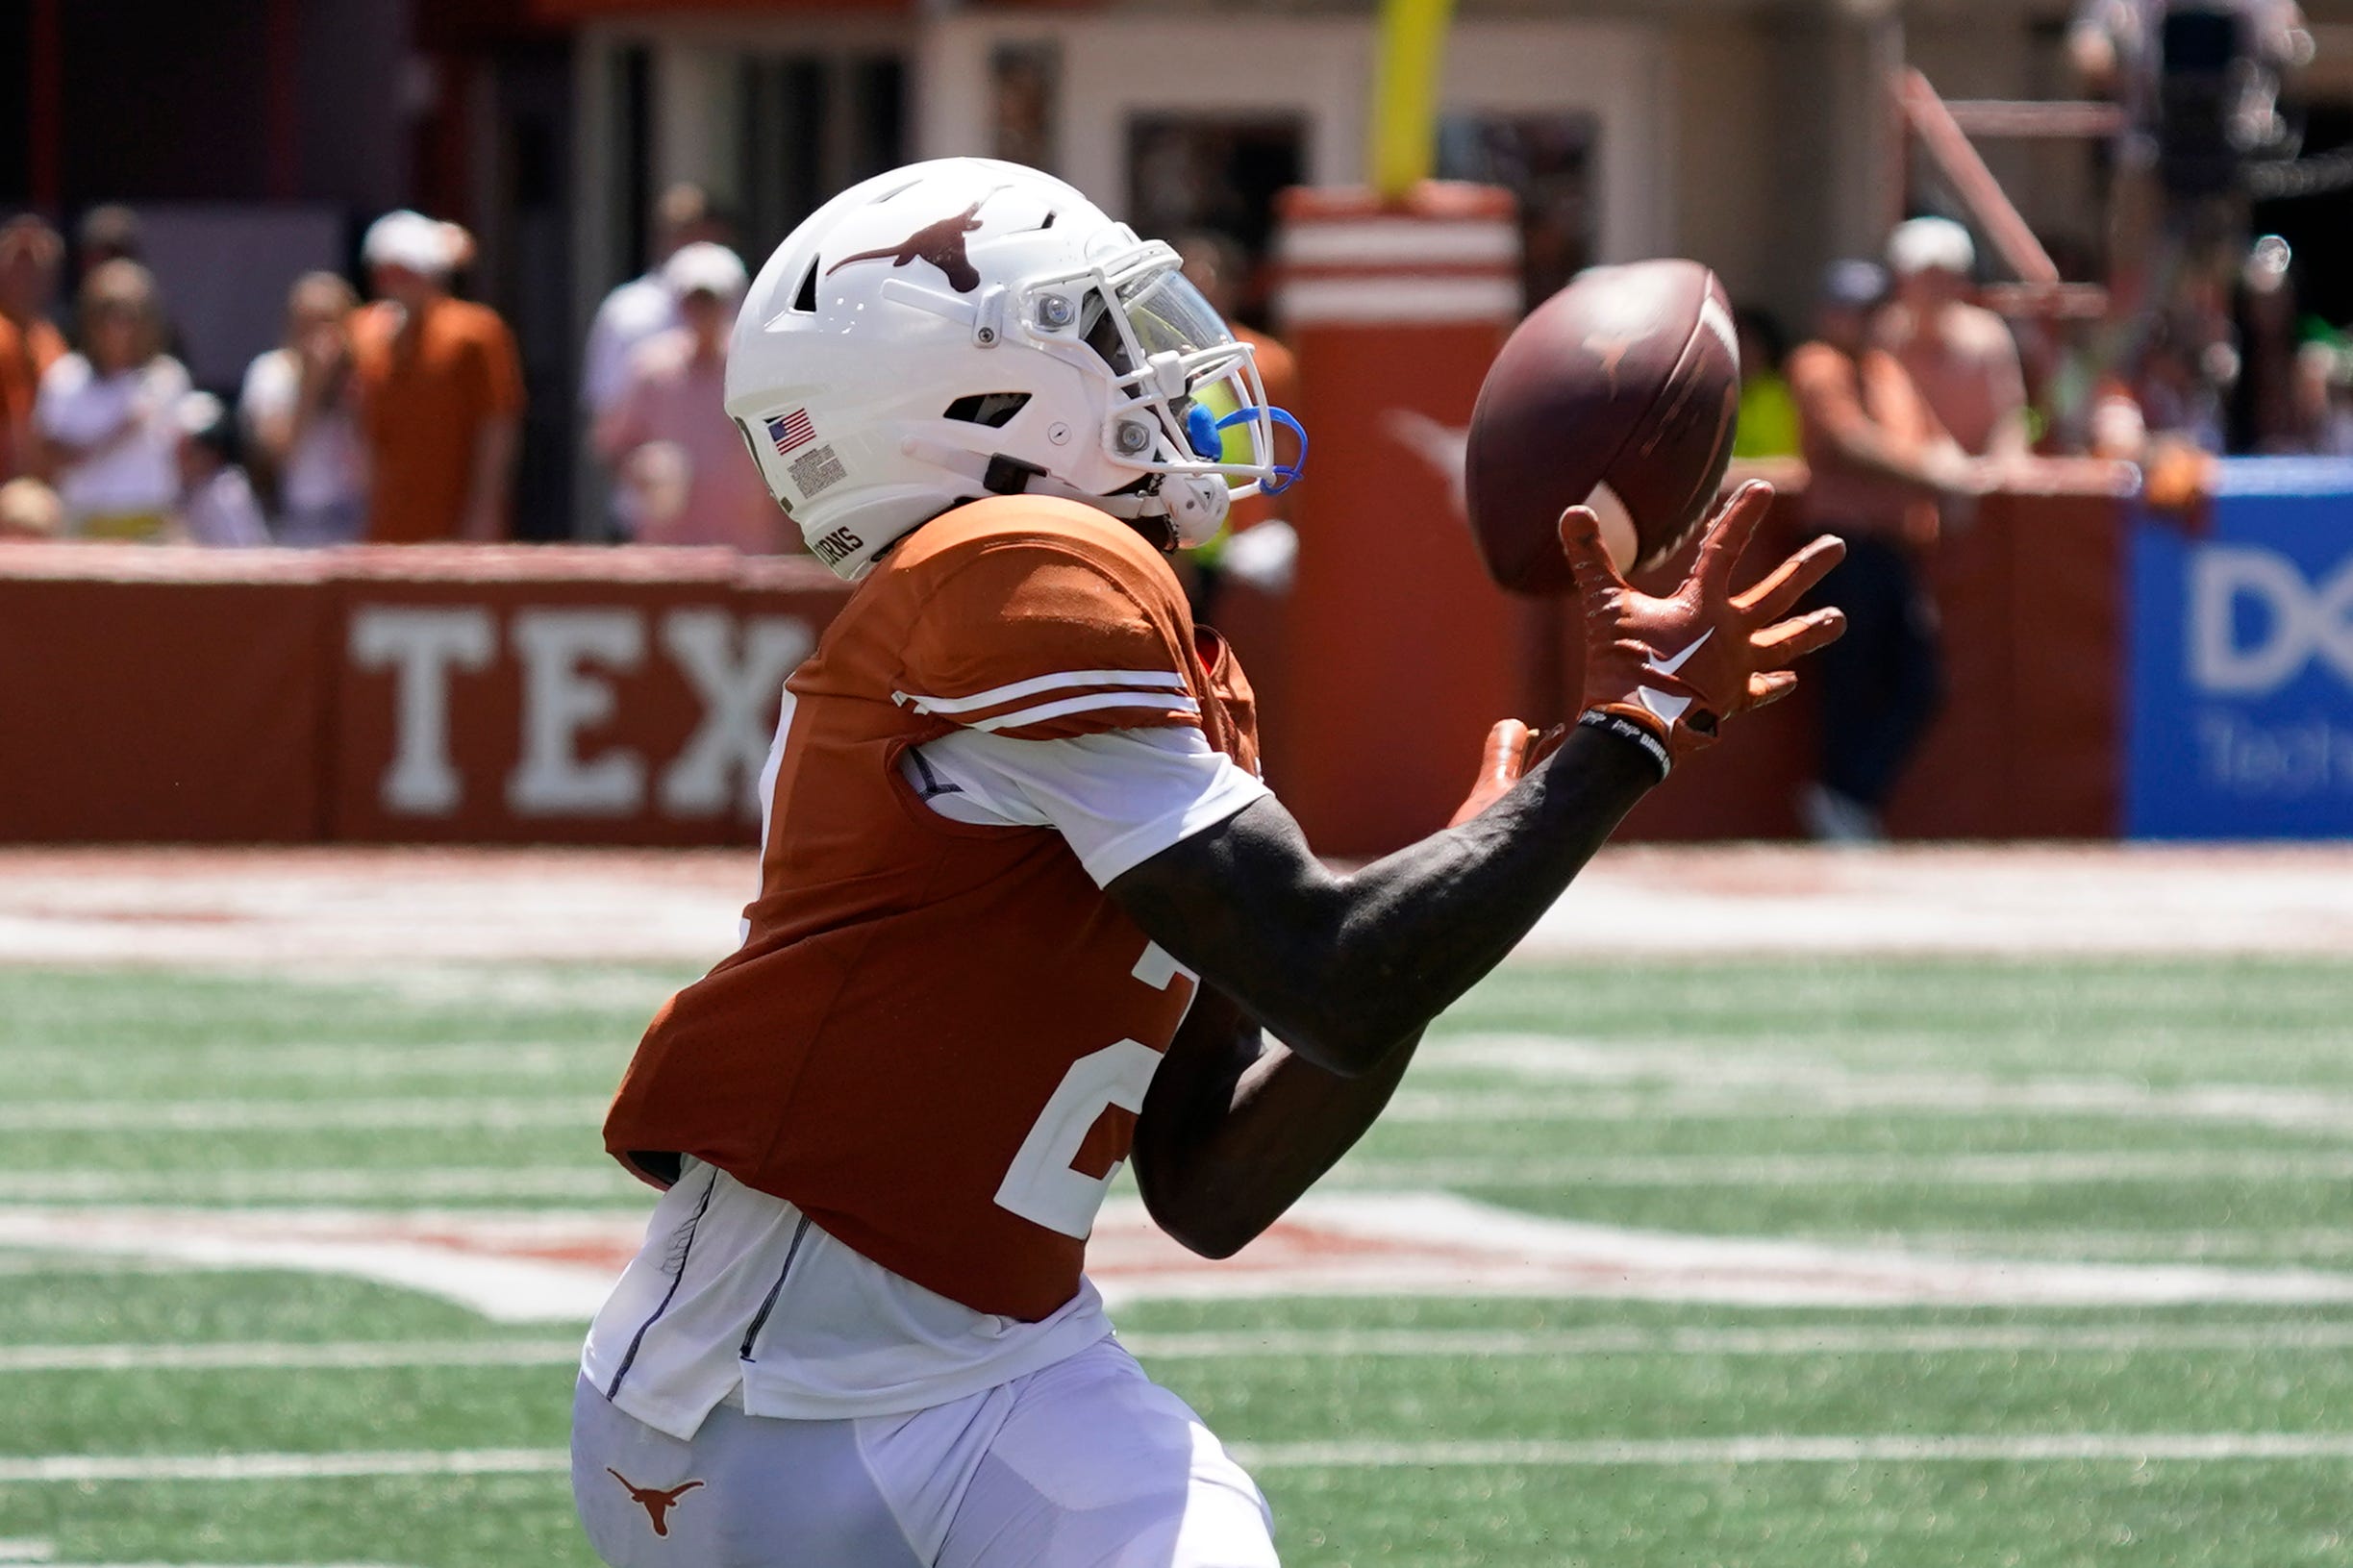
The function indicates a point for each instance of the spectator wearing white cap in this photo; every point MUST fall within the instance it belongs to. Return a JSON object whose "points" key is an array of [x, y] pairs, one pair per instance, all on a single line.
{"points": [[1879, 466], [680, 462], [440, 390], [644, 305], [1961, 355]]}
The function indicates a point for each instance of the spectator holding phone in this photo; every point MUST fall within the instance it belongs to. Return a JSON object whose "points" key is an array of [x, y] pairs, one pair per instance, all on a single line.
{"points": [[299, 413]]}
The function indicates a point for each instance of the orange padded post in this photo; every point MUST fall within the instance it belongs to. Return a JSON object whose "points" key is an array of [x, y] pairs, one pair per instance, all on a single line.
{"points": [[1400, 652]]}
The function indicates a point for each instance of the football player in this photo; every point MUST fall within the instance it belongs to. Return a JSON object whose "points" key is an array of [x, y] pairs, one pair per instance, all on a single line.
{"points": [[1027, 911]]}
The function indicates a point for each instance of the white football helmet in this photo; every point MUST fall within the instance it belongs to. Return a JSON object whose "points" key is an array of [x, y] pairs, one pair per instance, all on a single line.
{"points": [[967, 327]]}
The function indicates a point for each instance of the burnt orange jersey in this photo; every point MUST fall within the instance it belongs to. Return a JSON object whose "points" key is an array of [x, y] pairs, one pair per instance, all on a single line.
{"points": [[937, 1037]]}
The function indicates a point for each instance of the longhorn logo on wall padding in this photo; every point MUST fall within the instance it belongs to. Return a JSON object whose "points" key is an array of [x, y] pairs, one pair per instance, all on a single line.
{"points": [[941, 244]]}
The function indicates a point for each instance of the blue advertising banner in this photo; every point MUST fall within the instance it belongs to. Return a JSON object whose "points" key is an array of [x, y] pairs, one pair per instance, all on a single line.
{"points": [[2240, 719]]}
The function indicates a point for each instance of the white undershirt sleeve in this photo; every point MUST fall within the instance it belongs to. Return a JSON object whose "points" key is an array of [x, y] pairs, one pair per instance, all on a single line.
{"points": [[1117, 798]]}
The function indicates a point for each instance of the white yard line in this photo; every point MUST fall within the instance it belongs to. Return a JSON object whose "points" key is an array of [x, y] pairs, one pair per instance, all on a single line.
{"points": [[1339, 1344], [1688, 1079], [81, 1469], [356, 911], [2025, 900], [563, 1183], [44, 1553], [355, 1060], [2159, 1246], [2131, 1448], [2035, 1169], [586, 1182], [1419, 1343], [2280, 1109], [281, 1357], [2284, 1109], [472, 1113]]}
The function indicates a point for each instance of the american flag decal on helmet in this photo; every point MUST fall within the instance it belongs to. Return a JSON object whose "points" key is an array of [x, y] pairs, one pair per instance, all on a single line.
{"points": [[790, 431]]}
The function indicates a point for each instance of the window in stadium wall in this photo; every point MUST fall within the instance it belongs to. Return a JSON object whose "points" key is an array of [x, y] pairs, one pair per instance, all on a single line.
{"points": [[811, 124], [1189, 172], [1025, 93], [632, 90], [1548, 162]]}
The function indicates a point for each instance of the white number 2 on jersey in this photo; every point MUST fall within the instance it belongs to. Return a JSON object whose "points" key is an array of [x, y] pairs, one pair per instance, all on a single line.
{"points": [[1039, 1185]]}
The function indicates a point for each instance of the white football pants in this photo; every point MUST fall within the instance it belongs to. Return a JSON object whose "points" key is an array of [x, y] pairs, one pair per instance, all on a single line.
{"points": [[1086, 1464]]}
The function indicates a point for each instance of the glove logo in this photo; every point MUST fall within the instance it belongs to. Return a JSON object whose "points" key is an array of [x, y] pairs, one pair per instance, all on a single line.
{"points": [[1669, 666], [1665, 707]]}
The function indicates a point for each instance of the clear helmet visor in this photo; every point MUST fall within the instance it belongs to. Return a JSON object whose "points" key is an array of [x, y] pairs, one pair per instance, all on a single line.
{"points": [[1162, 312], [1192, 406], [1168, 314]]}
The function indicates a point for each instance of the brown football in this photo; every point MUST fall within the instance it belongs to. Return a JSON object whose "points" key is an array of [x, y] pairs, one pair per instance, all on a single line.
{"points": [[1621, 392]]}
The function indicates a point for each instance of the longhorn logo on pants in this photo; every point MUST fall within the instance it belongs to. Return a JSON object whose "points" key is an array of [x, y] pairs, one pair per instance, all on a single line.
{"points": [[656, 1503]]}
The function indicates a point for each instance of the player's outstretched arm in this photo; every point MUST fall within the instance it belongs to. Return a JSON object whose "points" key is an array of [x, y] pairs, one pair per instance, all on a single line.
{"points": [[1346, 967], [1237, 1127]]}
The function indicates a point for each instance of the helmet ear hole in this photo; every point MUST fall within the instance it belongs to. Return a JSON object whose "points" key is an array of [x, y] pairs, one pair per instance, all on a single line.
{"points": [[996, 410]]}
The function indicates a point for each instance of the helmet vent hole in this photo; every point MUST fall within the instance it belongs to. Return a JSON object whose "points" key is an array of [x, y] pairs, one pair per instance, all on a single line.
{"points": [[996, 410], [805, 300]]}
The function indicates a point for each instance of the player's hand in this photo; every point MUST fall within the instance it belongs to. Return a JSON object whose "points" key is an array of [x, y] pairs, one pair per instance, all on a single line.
{"points": [[1679, 667], [1512, 750]]}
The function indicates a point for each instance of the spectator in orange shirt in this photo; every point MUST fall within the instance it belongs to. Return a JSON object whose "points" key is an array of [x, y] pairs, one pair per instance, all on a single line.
{"points": [[30, 344], [441, 391]]}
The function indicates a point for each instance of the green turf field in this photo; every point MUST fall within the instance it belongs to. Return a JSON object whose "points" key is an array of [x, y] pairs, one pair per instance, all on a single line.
{"points": [[2134, 1116]]}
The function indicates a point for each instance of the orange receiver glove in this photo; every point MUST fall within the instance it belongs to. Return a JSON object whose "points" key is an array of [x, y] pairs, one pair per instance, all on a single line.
{"points": [[1512, 750], [1667, 672]]}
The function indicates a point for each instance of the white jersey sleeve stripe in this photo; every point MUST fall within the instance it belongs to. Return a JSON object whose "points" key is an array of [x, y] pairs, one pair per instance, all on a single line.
{"points": [[1036, 685], [1148, 705]]}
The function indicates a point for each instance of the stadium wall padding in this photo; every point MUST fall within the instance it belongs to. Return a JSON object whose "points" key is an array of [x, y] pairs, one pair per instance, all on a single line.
{"points": [[438, 694], [2030, 594], [599, 696]]}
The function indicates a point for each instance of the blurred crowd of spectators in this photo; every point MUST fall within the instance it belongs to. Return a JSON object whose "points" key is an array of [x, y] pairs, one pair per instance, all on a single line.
{"points": [[1910, 400], [390, 421], [399, 419], [653, 382], [2229, 368]]}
